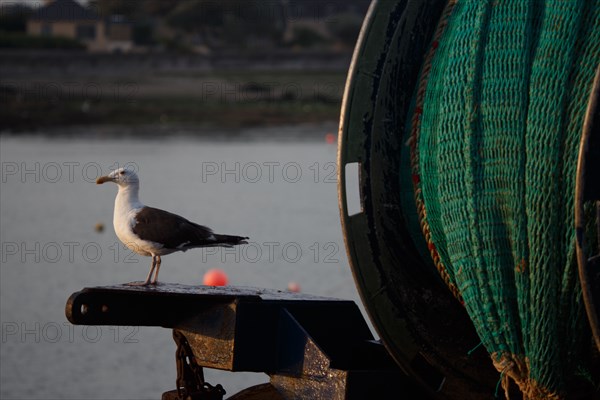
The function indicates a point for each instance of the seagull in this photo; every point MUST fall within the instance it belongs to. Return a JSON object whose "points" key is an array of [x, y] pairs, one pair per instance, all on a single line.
{"points": [[152, 232]]}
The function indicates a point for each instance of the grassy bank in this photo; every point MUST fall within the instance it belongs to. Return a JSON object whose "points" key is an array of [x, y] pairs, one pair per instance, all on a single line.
{"points": [[229, 100]]}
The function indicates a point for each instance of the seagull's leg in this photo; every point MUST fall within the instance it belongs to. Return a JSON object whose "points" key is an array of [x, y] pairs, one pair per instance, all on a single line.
{"points": [[145, 283], [158, 261], [151, 270]]}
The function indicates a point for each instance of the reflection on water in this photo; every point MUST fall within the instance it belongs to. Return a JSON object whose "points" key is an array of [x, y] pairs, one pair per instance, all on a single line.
{"points": [[280, 194]]}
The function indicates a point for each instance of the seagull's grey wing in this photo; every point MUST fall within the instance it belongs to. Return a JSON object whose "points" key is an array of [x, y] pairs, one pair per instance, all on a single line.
{"points": [[171, 230]]}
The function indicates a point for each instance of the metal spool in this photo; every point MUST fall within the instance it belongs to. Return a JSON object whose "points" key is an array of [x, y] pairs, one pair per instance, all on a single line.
{"points": [[422, 325], [587, 189]]}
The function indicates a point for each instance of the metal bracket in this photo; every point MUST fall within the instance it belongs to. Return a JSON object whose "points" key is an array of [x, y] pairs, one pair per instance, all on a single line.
{"points": [[311, 347]]}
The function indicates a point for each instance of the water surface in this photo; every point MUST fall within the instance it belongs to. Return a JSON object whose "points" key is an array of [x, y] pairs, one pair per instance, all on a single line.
{"points": [[280, 194]]}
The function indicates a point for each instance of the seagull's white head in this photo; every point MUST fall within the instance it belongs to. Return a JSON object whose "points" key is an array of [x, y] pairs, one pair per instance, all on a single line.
{"points": [[122, 177]]}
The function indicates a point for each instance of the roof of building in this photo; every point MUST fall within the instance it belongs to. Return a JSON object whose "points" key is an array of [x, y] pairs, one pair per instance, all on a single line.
{"points": [[64, 10]]}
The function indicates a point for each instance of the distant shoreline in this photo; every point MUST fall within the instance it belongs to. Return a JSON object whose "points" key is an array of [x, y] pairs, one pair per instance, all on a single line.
{"points": [[59, 62], [229, 99], [288, 132]]}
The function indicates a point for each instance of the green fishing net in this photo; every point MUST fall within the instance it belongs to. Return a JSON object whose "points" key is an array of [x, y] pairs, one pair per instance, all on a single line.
{"points": [[495, 139]]}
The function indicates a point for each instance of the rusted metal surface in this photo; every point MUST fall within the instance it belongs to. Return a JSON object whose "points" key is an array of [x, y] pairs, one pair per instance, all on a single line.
{"points": [[587, 192], [311, 347], [211, 335], [264, 391], [190, 375]]}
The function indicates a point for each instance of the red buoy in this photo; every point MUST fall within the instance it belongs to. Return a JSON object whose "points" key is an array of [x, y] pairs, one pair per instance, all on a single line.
{"points": [[215, 277], [330, 138], [294, 287]]}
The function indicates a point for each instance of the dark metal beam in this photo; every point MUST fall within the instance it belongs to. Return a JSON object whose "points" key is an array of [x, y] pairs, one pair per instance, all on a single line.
{"points": [[309, 345]]}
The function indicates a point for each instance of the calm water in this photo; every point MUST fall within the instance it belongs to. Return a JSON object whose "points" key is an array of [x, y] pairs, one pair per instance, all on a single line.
{"points": [[281, 194]]}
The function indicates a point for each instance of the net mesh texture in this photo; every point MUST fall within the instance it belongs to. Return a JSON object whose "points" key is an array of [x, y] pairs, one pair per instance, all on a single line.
{"points": [[494, 143]]}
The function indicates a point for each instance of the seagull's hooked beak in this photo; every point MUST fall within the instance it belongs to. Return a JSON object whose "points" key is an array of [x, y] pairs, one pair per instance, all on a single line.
{"points": [[103, 179]]}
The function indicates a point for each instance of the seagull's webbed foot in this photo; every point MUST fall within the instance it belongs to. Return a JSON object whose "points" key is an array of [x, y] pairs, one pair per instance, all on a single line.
{"points": [[147, 281], [138, 283]]}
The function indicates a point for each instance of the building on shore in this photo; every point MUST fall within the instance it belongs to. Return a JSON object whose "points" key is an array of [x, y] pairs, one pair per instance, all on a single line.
{"points": [[69, 19]]}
